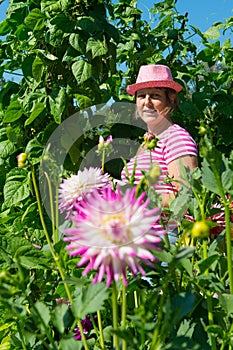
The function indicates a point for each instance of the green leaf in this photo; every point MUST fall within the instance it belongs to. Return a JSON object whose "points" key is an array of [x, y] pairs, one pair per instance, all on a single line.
{"points": [[59, 315], [82, 71], [6, 148], [36, 112], [226, 301], [187, 265], [205, 264], [35, 19], [184, 252], [5, 27], [32, 262], [163, 256], [76, 41], [212, 33], [16, 189], [37, 69], [215, 329], [44, 313], [90, 300], [70, 344], [97, 47], [58, 103], [83, 101], [13, 112], [208, 178]]}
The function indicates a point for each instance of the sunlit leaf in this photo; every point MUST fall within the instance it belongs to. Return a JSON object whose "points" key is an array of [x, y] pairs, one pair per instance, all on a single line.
{"points": [[90, 300], [82, 71]]}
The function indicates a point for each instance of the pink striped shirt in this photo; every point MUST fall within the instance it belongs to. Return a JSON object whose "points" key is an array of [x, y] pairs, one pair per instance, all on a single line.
{"points": [[173, 143]]}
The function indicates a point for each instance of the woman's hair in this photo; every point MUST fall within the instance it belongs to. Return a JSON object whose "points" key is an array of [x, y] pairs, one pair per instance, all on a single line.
{"points": [[172, 99]]}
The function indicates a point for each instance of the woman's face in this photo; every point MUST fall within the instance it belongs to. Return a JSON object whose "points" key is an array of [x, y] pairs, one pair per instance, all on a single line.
{"points": [[152, 104]]}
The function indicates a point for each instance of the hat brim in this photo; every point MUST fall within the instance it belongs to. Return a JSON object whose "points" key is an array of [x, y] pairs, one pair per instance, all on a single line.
{"points": [[132, 89]]}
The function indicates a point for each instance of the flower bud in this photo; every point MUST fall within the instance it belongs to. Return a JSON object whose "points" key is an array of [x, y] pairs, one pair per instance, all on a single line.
{"points": [[200, 229], [153, 174], [150, 140], [22, 160]]}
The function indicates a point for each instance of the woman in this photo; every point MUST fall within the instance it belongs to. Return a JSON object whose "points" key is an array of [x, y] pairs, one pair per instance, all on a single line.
{"points": [[155, 93]]}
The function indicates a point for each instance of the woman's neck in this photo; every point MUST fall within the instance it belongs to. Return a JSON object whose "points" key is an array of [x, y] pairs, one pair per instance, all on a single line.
{"points": [[159, 128]]}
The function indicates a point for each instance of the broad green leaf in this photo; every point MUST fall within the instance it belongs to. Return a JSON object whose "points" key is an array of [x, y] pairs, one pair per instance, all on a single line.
{"points": [[83, 101], [35, 148], [76, 41], [13, 112], [6, 148], [37, 69], [212, 33], [16, 191], [37, 111], [90, 300], [6, 345], [97, 47], [44, 313], [88, 24], [35, 19], [208, 178], [187, 265], [22, 32], [163, 256], [70, 344], [181, 304], [59, 316], [82, 71], [32, 262], [58, 104], [226, 301], [205, 264], [5, 27]]}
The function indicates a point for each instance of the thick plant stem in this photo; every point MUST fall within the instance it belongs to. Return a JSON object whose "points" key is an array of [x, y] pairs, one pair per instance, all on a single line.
{"points": [[229, 248], [100, 330], [54, 229], [54, 255], [115, 316], [123, 314], [209, 299]]}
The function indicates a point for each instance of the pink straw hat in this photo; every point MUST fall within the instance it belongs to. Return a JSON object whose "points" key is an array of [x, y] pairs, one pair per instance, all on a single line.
{"points": [[151, 76]]}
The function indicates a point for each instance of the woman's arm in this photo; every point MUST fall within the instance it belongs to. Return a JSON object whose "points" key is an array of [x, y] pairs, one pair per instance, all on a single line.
{"points": [[174, 172]]}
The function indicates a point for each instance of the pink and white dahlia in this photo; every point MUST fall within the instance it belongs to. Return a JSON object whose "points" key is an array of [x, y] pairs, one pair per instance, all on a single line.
{"points": [[78, 186], [112, 232]]}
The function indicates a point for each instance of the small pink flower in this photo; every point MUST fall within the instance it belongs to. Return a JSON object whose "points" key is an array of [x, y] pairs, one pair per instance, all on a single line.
{"points": [[113, 232], [78, 186]]}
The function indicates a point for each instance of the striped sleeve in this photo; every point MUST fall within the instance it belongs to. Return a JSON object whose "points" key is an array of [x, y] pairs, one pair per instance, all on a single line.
{"points": [[178, 143]]}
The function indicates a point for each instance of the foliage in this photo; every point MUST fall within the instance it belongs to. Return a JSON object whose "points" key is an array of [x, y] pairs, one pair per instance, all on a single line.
{"points": [[70, 56]]}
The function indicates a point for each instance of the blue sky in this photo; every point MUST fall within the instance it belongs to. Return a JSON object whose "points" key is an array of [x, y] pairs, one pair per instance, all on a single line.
{"points": [[202, 13]]}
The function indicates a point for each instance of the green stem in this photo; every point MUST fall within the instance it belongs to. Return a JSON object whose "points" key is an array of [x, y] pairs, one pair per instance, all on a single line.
{"points": [[54, 255], [55, 240], [103, 159], [156, 341], [115, 316], [227, 223], [229, 248], [21, 335], [123, 314], [209, 298], [100, 330]]}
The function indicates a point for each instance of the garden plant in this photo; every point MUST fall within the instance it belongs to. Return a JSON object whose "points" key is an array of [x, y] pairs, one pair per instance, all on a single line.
{"points": [[85, 262]]}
